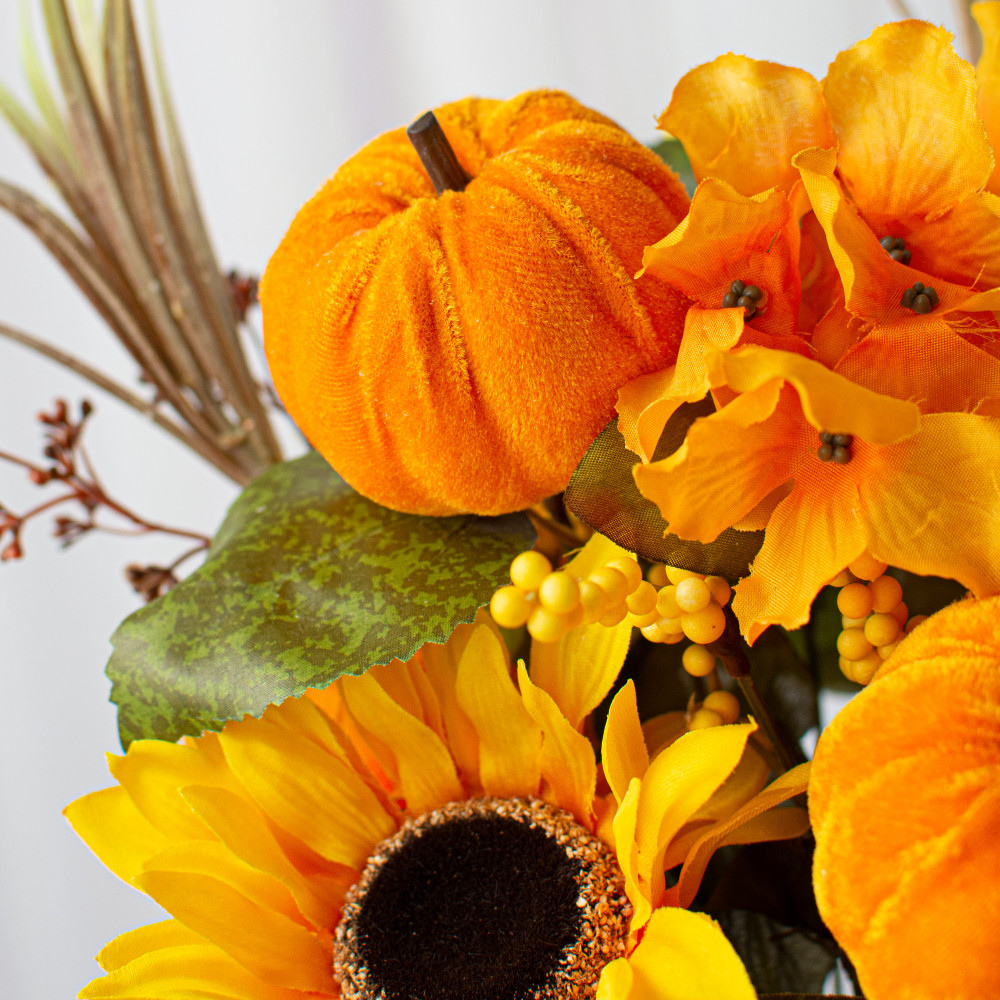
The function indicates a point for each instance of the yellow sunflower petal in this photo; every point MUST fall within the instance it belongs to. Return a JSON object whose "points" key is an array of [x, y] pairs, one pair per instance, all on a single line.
{"points": [[115, 830], [987, 16], [616, 980], [427, 776], [628, 856], [829, 401], [646, 403], [678, 783], [623, 748], [685, 956], [186, 972], [896, 100], [707, 485], [242, 829], [397, 683], [264, 942], [792, 823], [742, 120], [922, 489], [579, 669], [567, 758], [153, 772], [307, 791], [150, 937], [509, 738]]}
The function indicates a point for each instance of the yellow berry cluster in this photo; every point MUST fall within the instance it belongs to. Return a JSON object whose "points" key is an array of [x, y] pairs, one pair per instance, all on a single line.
{"points": [[551, 602], [875, 617], [687, 604], [719, 708]]}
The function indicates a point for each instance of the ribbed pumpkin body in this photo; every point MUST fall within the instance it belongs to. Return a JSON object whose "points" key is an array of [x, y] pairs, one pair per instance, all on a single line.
{"points": [[459, 353]]}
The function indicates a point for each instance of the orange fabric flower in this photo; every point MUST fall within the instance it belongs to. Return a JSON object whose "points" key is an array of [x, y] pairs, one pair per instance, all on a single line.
{"points": [[987, 16], [905, 803], [918, 492], [725, 237], [460, 353]]}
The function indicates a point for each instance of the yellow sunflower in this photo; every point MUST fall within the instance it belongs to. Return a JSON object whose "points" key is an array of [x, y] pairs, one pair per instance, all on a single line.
{"points": [[434, 829]]}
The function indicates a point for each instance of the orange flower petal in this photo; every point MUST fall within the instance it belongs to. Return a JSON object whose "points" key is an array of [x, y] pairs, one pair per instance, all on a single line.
{"points": [[707, 484], [987, 16], [903, 106], [646, 404], [939, 371], [812, 535], [923, 488], [837, 331], [742, 120], [134, 943], [727, 237], [873, 282], [829, 401]]}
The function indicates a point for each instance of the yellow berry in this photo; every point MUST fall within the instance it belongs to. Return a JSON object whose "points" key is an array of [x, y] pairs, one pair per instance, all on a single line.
{"points": [[559, 592], [528, 570], [852, 644], [900, 613], [547, 626], [657, 575], [846, 667], [593, 601], [641, 621], [886, 651], [881, 629], [673, 625], [727, 705], [611, 581], [866, 567], [671, 638], [692, 594], [614, 616], [914, 622], [698, 661], [655, 632], [854, 601], [629, 569], [642, 600], [721, 591], [705, 625], [842, 579], [666, 602], [510, 607], [865, 669], [853, 622], [887, 592], [675, 574], [704, 718]]}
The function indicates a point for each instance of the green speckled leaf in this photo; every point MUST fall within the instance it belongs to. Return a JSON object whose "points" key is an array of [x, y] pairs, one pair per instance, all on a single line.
{"points": [[305, 581]]}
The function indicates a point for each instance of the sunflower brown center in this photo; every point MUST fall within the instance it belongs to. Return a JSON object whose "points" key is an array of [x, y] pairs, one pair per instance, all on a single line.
{"points": [[487, 899]]}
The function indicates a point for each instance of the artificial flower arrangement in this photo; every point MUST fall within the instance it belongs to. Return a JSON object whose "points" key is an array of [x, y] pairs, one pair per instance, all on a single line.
{"points": [[499, 692]]}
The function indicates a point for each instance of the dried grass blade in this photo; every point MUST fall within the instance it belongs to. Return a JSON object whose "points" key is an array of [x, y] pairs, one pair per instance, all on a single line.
{"points": [[39, 85]]}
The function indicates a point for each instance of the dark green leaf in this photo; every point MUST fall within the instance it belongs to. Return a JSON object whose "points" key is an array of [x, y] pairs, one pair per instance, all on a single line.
{"points": [[807, 996], [603, 493], [673, 155], [784, 682], [305, 581]]}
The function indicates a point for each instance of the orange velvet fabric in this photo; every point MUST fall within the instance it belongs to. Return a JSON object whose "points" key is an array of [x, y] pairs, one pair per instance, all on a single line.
{"points": [[904, 799], [459, 353]]}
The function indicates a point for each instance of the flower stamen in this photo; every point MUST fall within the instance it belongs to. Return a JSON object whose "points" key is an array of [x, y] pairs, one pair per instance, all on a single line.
{"points": [[752, 298], [835, 447], [919, 298], [895, 247]]}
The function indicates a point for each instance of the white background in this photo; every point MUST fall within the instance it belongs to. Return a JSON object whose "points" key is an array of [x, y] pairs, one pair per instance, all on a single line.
{"points": [[271, 98]]}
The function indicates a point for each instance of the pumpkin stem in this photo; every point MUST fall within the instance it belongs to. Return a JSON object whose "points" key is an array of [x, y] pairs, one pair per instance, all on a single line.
{"points": [[436, 154]]}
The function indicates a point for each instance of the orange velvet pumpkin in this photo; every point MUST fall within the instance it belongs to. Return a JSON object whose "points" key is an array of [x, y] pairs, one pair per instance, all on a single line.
{"points": [[459, 353]]}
